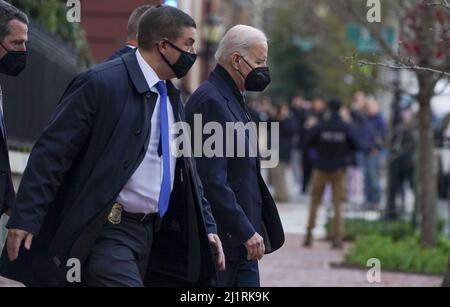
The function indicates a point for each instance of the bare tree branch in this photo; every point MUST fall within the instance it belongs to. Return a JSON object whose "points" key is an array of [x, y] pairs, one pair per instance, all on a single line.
{"points": [[443, 3], [403, 66]]}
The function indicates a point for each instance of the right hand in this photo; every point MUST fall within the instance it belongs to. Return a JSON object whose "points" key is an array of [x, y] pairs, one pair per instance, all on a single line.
{"points": [[255, 247], [311, 122], [14, 241]]}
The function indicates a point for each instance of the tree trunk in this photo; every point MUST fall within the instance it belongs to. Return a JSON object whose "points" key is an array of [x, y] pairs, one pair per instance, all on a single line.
{"points": [[426, 163], [446, 282]]}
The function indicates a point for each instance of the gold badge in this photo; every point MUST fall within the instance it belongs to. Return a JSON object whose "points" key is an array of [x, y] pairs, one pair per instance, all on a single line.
{"points": [[115, 216]]}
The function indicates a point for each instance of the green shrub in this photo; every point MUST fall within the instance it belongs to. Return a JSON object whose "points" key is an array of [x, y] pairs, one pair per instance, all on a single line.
{"points": [[395, 229], [405, 254]]}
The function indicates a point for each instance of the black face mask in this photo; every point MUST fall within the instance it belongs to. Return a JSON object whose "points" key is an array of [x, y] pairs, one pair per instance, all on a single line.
{"points": [[183, 64], [13, 62], [258, 79]]}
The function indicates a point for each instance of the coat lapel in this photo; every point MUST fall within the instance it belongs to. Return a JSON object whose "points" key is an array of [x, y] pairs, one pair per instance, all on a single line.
{"points": [[232, 102], [150, 98], [227, 93]]}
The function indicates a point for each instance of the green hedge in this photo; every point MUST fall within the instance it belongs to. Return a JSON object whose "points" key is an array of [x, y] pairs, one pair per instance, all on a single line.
{"points": [[405, 254], [395, 229]]}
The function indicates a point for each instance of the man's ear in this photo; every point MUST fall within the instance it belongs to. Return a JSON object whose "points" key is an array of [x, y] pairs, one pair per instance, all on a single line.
{"points": [[236, 61], [162, 45]]}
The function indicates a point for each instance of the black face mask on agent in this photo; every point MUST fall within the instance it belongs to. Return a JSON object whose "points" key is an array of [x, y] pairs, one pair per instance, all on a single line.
{"points": [[184, 63], [258, 79], [13, 62]]}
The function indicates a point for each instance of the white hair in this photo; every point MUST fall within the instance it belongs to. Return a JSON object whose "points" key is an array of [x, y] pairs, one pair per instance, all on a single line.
{"points": [[239, 38]]}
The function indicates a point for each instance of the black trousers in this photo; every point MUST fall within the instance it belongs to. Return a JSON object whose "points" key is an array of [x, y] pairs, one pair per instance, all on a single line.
{"points": [[400, 172], [307, 165], [120, 255], [242, 273]]}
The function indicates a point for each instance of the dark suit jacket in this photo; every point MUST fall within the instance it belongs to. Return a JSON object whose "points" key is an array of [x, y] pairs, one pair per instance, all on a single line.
{"points": [[119, 53], [7, 193], [95, 141], [239, 198], [334, 142]]}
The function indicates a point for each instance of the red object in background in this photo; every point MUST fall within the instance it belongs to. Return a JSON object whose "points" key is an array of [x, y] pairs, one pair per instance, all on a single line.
{"points": [[105, 24], [412, 25]]}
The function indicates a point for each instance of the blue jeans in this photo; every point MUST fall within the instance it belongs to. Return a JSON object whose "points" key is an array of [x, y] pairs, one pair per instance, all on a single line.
{"points": [[370, 164]]}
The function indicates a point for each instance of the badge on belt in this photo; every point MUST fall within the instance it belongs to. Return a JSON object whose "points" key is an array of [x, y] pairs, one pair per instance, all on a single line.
{"points": [[115, 216]]}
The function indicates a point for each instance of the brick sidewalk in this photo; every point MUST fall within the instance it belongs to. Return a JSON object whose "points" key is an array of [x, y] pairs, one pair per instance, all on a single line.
{"points": [[295, 266]]}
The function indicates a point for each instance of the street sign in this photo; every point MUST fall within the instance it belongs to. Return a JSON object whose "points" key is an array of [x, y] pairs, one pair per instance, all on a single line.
{"points": [[364, 41], [302, 43]]}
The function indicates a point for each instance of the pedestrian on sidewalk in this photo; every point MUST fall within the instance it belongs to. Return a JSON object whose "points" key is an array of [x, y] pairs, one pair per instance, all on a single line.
{"points": [[13, 56], [84, 197], [247, 219], [333, 141], [278, 174], [132, 32]]}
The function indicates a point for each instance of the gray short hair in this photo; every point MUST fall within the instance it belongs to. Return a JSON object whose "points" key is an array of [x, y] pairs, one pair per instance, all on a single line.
{"points": [[239, 38], [135, 17], [9, 12]]}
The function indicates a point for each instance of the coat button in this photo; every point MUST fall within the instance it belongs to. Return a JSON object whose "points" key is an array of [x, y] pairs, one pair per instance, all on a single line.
{"points": [[126, 164], [137, 131]]}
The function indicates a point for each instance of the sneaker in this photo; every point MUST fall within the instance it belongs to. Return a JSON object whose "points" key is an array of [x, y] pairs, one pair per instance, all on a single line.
{"points": [[337, 244]]}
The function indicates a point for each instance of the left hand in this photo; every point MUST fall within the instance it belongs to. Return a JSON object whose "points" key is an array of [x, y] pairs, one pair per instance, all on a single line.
{"points": [[216, 245]]}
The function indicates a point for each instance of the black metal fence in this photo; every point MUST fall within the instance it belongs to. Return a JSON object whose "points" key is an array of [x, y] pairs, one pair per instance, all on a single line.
{"points": [[30, 99]]}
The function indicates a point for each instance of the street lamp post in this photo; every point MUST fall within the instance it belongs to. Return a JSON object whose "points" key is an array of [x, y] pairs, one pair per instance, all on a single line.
{"points": [[212, 31]]}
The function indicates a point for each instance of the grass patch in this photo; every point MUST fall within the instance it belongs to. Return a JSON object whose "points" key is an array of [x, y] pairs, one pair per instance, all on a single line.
{"points": [[397, 230], [405, 254]]}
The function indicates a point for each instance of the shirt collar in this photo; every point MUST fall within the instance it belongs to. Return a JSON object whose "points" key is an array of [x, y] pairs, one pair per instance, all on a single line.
{"points": [[223, 73], [150, 75]]}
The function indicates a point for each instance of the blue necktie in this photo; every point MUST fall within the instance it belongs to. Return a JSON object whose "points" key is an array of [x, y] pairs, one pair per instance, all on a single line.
{"points": [[164, 194]]}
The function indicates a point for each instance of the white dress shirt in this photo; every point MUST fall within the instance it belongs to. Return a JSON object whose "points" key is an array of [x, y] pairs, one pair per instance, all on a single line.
{"points": [[141, 193]]}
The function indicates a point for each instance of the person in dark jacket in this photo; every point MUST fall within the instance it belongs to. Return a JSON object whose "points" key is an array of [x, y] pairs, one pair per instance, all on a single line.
{"points": [[309, 156], [299, 112], [288, 127], [132, 30], [247, 218], [13, 39], [333, 140], [401, 164], [101, 189], [372, 158]]}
